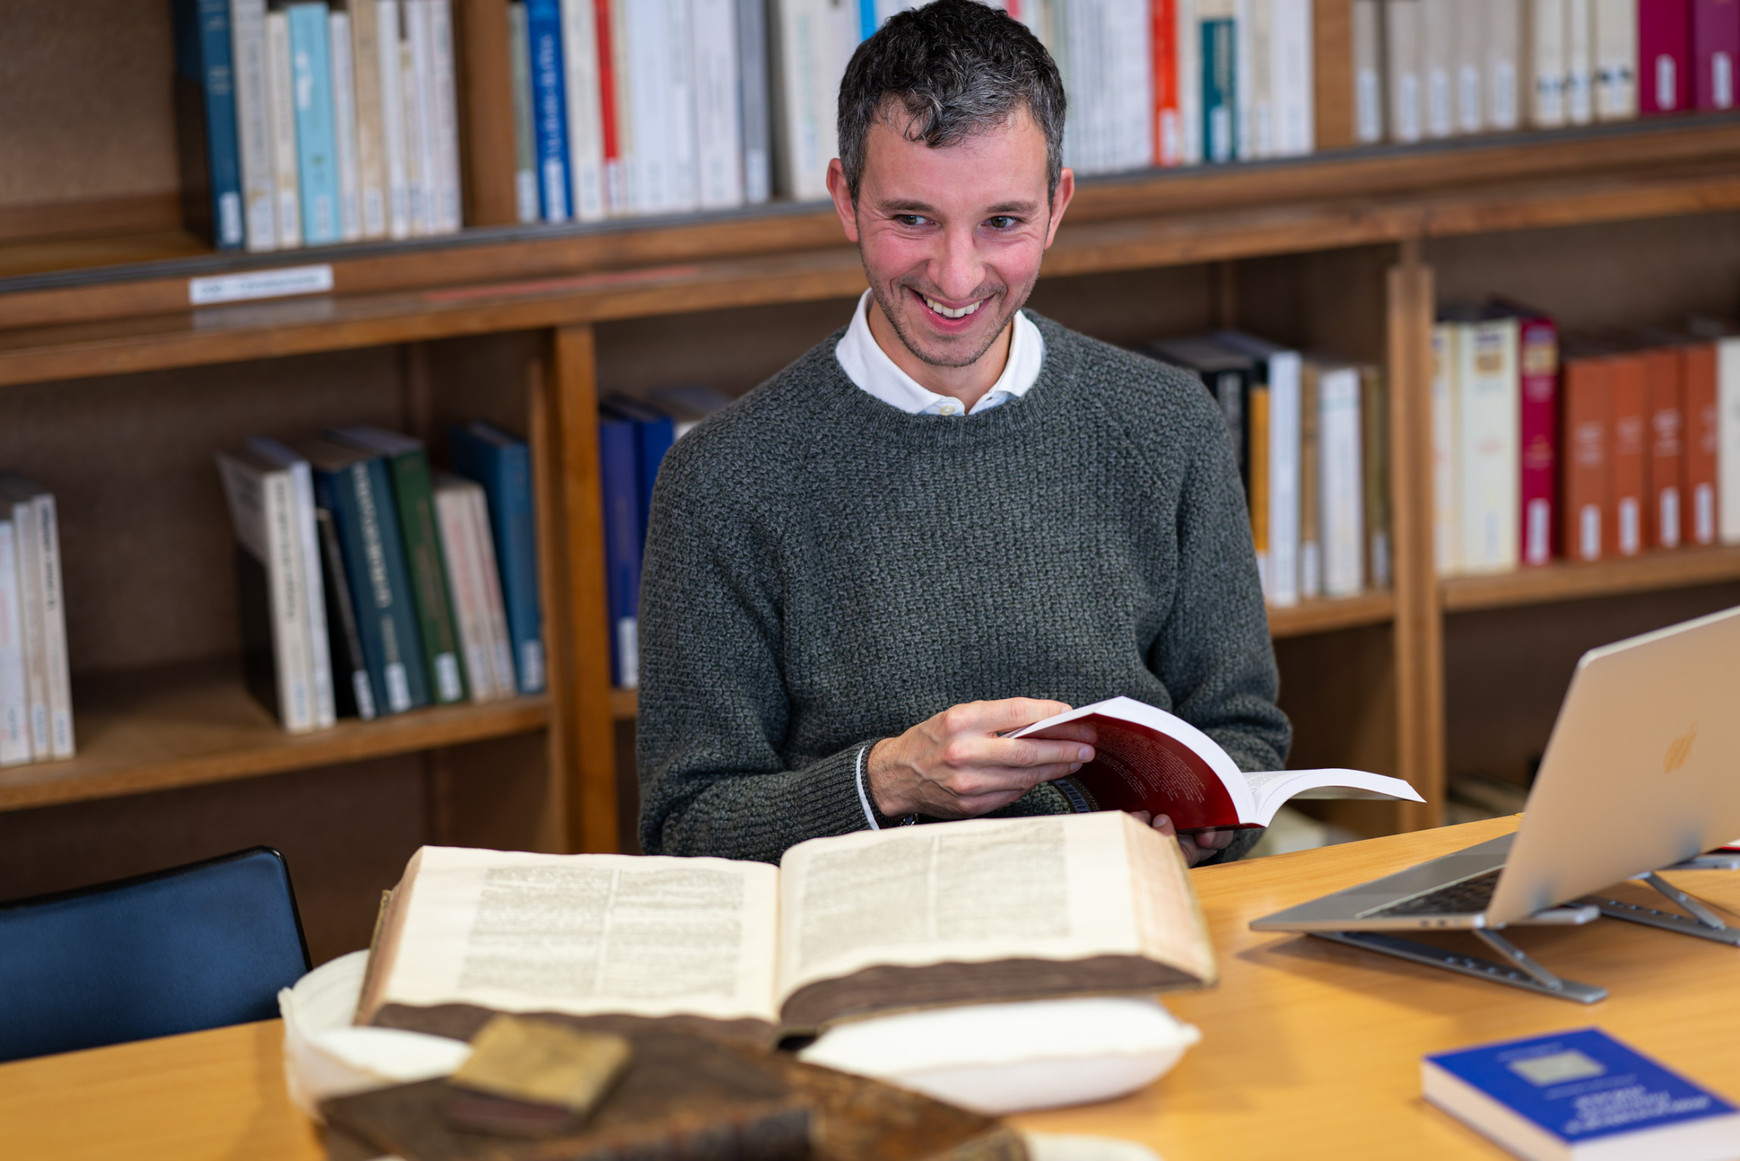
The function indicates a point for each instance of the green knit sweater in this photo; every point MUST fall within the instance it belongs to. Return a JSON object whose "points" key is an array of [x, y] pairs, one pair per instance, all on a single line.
{"points": [[824, 570]]}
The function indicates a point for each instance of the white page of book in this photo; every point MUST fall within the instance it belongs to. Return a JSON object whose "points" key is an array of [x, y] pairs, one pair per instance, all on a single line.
{"points": [[583, 934], [1056, 887]]}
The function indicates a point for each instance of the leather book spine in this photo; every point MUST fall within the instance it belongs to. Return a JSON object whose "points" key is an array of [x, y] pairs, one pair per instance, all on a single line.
{"points": [[1666, 447], [1715, 43], [1663, 56], [1586, 519], [1628, 461], [1698, 368], [1538, 361]]}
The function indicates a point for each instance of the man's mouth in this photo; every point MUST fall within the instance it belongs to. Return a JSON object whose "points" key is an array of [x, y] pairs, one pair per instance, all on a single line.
{"points": [[951, 312]]}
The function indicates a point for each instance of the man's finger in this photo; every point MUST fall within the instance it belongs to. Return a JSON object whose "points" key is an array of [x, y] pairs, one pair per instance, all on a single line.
{"points": [[983, 751], [1011, 713]]}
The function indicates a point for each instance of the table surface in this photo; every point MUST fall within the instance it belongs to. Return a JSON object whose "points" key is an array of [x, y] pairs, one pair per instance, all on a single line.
{"points": [[1309, 1049]]}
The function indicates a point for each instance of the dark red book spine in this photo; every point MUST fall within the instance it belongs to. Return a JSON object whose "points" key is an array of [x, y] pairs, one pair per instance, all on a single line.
{"points": [[1715, 46], [1664, 65], [1666, 447], [1538, 361], [1702, 433]]}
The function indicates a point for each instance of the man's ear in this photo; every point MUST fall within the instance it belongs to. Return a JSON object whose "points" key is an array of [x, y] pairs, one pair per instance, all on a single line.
{"points": [[1060, 202], [842, 195]]}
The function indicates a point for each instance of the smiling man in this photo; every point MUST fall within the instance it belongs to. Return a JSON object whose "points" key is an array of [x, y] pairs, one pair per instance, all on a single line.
{"points": [[949, 520]]}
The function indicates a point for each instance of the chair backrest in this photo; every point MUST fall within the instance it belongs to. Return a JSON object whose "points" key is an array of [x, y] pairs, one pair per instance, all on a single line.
{"points": [[193, 947]]}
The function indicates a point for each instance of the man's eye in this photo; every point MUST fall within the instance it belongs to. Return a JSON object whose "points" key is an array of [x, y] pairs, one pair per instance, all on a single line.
{"points": [[909, 219], [1000, 221]]}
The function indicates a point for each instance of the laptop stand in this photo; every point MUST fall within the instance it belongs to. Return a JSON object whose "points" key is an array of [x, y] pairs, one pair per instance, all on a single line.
{"points": [[1519, 972], [1694, 917]]}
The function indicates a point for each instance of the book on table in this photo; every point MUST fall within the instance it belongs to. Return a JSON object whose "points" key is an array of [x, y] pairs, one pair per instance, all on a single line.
{"points": [[852, 925], [1148, 759]]}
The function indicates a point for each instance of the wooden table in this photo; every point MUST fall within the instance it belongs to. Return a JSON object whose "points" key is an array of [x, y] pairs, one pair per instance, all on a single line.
{"points": [[1309, 1049]]}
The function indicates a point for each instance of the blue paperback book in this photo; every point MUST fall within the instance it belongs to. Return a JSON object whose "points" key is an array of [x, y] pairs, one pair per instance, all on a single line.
{"points": [[624, 535], [1581, 1094], [205, 101], [316, 139], [549, 106]]}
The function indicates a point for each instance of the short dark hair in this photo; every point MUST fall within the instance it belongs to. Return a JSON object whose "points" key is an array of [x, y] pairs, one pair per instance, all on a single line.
{"points": [[956, 67]]}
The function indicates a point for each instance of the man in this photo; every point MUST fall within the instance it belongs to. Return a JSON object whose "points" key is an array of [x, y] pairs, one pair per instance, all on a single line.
{"points": [[947, 521]]}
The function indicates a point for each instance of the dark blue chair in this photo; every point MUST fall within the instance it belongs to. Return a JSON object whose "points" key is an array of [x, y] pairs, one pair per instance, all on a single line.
{"points": [[192, 947]]}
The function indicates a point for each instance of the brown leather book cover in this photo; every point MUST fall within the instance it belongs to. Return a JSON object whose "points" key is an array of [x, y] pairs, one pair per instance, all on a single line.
{"points": [[1662, 368], [1587, 535], [1702, 435], [1628, 454]]}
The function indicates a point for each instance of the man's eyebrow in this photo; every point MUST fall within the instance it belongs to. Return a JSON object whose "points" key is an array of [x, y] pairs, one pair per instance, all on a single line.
{"points": [[912, 207]]}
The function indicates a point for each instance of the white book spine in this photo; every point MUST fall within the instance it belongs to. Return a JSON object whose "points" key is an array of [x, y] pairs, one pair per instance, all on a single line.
{"points": [[1406, 65], [1266, 79], [1615, 59], [417, 63], [682, 188], [14, 692], [619, 174], [1545, 54], [458, 556], [60, 707], [1190, 80], [31, 610], [585, 109], [253, 132], [1489, 461], [1284, 374], [753, 94], [444, 103], [1438, 43], [1295, 78], [1342, 490], [1445, 526], [1728, 439], [344, 126], [1470, 79], [281, 120], [1134, 42], [1579, 62], [1245, 73], [1368, 72], [1503, 72], [307, 533], [395, 146], [501, 645], [284, 584], [647, 65], [525, 152], [718, 108], [371, 160]]}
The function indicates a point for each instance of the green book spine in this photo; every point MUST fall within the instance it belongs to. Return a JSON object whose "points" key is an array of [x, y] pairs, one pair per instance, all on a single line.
{"points": [[416, 503]]}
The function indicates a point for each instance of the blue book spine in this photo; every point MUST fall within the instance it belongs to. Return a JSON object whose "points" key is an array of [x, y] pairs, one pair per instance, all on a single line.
{"points": [[223, 151], [653, 438], [407, 640], [866, 19], [336, 492], [549, 107], [624, 535], [1219, 90], [316, 159], [503, 466]]}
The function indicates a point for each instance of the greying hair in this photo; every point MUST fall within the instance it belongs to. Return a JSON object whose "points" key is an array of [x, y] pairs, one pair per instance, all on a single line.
{"points": [[956, 68]]}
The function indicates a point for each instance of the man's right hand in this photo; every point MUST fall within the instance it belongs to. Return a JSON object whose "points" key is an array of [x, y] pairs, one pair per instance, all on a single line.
{"points": [[955, 765]]}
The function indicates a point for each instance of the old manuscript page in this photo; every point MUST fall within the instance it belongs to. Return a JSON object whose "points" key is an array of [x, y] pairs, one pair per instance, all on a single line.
{"points": [[584, 934]]}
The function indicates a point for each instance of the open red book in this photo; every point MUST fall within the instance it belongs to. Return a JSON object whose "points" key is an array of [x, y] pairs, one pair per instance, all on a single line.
{"points": [[1148, 759]]}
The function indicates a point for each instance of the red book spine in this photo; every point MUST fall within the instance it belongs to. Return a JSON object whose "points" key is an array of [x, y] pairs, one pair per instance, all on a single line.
{"points": [[1666, 447], [1628, 464], [1168, 118], [1538, 349], [1664, 56], [607, 108], [1702, 433], [1715, 47], [1587, 520]]}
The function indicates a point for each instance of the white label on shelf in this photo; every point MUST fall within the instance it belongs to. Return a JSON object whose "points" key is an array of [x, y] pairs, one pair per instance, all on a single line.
{"points": [[365, 695], [1539, 533], [532, 665], [1589, 525], [1670, 517], [1630, 527], [259, 284], [447, 676], [1722, 79], [1704, 513], [1666, 92], [398, 688]]}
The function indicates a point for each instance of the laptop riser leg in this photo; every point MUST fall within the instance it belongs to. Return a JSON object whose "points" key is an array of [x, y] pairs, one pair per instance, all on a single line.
{"points": [[1695, 917], [1521, 972]]}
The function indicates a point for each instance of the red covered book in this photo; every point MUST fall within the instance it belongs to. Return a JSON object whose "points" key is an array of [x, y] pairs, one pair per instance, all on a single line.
{"points": [[1666, 446], [1715, 46], [1538, 347], [1148, 759], [1664, 64]]}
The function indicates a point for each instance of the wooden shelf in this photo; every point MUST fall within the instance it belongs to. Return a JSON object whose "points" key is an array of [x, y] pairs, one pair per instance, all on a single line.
{"points": [[624, 704], [1325, 615], [191, 724], [1563, 580]]}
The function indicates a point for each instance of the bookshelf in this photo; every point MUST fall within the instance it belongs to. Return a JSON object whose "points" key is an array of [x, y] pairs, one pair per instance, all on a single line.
{"points": [[115, 391]]}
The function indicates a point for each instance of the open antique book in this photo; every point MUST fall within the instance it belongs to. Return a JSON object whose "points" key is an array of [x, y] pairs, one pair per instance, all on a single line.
{"points": [[1148, 759], [952, 913]]}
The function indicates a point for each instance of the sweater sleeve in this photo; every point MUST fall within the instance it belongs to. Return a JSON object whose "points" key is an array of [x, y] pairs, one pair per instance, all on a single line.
{"points": [[712, 704]]}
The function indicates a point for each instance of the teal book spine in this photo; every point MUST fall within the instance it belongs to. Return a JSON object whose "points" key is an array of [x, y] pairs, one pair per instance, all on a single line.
{"points": [[316, 157], [1219, 89], [378, 510]]}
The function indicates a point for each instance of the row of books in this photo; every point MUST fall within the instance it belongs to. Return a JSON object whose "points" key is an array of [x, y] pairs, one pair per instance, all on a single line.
{"points": [[303, 122], [370, 585], [1441, 68], [1310, 434], [35, 688], [1586, 447]]}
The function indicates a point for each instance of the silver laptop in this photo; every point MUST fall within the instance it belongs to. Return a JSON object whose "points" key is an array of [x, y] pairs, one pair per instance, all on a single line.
{"points": [[1642, 771]]}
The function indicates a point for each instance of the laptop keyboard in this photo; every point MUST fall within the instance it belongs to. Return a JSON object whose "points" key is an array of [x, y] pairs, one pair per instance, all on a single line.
{"points": [[1464, 898]]}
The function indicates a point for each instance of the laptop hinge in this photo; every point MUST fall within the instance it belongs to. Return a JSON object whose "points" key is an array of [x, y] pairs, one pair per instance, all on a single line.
{"points": [[1694, 918], [1520, 970]]}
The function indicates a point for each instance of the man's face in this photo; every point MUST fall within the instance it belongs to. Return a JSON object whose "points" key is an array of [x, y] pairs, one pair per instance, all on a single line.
{"points": [[951, 238]]}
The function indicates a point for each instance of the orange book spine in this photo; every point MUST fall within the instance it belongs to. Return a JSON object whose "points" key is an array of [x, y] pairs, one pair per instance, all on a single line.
{"points": [[1702, 435], [1666, 447], [1586, 519], [1628, 460]]}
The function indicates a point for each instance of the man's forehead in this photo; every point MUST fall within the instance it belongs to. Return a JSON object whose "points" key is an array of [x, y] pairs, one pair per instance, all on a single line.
{"points": [[999, 166]]}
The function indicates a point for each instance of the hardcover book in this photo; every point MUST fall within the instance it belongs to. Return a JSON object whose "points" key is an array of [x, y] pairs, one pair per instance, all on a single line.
{"points": [[1538, 367], [1665, 434], [1664, 51], [1702, 440], [1579, 1096], [1587, 521], [502, 463], [205, 107], [1715, 48], [1628, 409], [1148, 759]]}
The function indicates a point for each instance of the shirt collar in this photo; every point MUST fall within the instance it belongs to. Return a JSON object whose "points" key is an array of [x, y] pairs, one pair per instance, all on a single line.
{"points": [[868, 366]]}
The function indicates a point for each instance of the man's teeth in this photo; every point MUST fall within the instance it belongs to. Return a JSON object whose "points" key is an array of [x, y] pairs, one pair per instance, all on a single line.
{"points": [[963, 312]]}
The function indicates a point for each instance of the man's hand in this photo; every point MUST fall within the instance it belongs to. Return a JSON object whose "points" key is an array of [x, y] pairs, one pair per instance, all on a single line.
{"points": [[1198, 845], [955, 765]]}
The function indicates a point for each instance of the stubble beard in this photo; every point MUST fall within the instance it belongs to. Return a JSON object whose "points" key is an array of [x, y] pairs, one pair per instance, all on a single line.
{"points": [[897, 320]]}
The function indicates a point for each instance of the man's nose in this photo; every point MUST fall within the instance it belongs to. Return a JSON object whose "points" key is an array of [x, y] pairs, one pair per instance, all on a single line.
{"points": [[957, 270]]}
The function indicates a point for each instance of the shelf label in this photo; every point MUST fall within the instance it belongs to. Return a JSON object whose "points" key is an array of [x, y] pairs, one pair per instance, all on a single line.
{"points": [[260, 284]]}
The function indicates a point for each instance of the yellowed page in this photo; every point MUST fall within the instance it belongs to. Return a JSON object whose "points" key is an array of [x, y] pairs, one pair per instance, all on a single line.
{"points": [[1058, 887], [587, 933]]}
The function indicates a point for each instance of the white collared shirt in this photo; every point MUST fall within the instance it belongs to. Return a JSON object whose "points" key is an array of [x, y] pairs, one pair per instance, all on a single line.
{"points": [[868, 365]]}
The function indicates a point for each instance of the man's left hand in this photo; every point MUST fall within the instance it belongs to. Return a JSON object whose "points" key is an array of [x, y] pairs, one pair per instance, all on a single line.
{"points": [[1197, 845]]}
